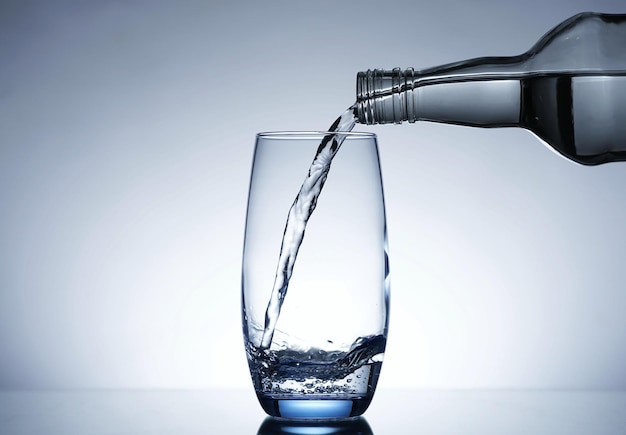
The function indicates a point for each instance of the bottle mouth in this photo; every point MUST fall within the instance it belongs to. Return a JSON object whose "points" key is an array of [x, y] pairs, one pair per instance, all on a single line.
{"points": [[364, 94], [381, 96]]}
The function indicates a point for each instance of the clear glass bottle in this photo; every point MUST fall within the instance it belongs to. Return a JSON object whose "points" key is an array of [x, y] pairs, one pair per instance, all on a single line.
{"points": [[569, 90]]}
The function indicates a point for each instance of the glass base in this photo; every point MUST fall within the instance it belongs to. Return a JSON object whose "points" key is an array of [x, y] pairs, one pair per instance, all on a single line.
{"points": [[314, 408]]}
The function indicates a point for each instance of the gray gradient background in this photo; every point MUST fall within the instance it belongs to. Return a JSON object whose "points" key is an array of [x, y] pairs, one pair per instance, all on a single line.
{"points": [[126, 137]]}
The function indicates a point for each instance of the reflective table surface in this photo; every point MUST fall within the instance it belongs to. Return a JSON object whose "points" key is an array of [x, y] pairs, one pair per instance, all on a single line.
{"points": [[237, 412]]}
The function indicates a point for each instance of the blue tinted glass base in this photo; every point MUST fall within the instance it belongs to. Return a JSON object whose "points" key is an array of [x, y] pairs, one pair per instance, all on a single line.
{"points": [[314, 408]]}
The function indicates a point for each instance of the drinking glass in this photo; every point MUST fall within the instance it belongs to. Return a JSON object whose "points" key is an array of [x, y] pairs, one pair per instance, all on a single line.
{"points": [[316, 351]]}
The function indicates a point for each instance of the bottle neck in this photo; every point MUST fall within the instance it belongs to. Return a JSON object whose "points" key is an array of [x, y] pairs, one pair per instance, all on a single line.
{"points": [[462, 97]]}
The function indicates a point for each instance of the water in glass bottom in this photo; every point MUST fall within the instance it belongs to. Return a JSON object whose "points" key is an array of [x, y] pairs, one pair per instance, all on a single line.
{"points": [[317, 384]]}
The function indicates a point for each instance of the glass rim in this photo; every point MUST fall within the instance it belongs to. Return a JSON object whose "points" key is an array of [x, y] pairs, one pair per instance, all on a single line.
{"points": [[314, 134]]}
